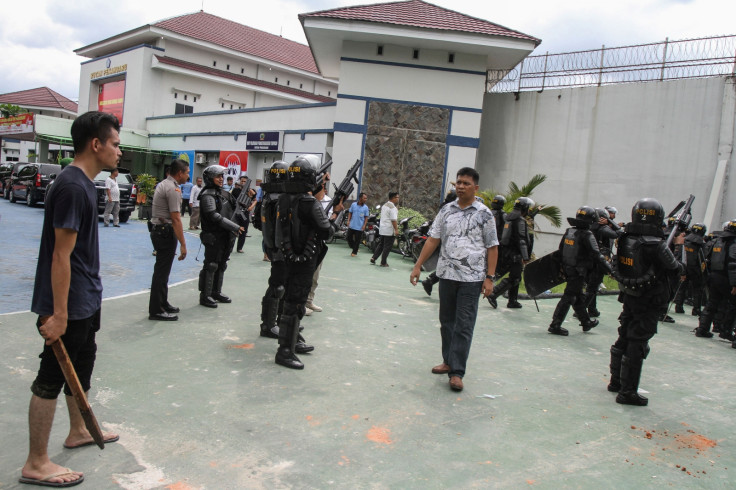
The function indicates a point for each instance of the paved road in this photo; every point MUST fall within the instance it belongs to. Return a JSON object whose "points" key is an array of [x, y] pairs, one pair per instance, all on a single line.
{"points": [[125, 253]]}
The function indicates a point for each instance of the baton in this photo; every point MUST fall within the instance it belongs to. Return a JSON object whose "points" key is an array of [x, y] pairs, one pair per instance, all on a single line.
{"points": [[535, 303], [73, 382]]}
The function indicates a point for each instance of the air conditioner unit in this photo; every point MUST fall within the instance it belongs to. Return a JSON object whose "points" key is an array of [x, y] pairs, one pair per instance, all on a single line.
{"points": [[200, 159]]}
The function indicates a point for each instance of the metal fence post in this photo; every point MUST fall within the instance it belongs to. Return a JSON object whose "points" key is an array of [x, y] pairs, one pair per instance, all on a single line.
{"points": [[600, 70], [544, 73], [664, 58], [521, 73]]}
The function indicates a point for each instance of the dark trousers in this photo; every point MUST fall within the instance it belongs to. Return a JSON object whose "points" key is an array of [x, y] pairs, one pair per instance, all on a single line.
{"points": [[719, 298], [185, 206], [384, 248], [241, 238], [164, 242], [458, 310], [80, 344], [573, 296], [638, 324], [354, 237]]}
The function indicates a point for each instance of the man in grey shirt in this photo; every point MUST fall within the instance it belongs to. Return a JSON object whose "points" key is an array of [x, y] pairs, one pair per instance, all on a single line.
{"points": [[112, 199], [467, 263], [166, 230]]}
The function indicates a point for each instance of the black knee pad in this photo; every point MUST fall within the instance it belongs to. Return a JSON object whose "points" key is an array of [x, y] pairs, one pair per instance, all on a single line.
{"points": [[211, 266]]}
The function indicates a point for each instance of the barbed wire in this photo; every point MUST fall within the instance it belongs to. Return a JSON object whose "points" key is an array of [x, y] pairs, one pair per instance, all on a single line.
{"points": [[667, 60]]}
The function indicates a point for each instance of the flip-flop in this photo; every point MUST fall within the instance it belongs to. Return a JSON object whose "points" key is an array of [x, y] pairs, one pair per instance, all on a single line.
{"points": [[93, 443], [44, 482]]}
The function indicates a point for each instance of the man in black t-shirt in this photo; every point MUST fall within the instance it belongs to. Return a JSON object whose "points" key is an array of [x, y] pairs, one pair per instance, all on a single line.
{"points": [[69, 260]]}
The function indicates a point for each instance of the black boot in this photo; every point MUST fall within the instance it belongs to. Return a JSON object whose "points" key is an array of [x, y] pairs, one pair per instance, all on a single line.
{"points": [[679, 309], [630, 376], [615, 384], [556, 329], [513, 304], [206, 282], [301, 346], [269, 312], [703, 329], [563, 306], [288, 333], [593, 312], [217, 288], [695, 312]]}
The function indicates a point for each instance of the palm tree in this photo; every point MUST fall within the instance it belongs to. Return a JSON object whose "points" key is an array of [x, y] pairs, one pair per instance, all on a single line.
{"points": [[552, 213]]}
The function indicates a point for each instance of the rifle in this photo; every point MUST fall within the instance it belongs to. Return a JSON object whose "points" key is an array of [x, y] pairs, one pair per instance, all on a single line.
{"points": [[346, 186], [242, 204], [682, 219]]}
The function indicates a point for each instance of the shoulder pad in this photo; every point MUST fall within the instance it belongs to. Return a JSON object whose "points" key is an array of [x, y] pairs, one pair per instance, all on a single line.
{"points": [[208, 191], [650, 240]]}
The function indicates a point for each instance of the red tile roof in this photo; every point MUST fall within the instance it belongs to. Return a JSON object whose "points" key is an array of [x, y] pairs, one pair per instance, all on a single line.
{"points": [[229, 34], [241, 78], [416, 13], [39, 97]]}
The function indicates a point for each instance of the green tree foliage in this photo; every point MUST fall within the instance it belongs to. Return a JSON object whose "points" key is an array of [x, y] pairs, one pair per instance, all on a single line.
{"points": [[551, 213], [416, 221], [7, 110], [146, 184]]}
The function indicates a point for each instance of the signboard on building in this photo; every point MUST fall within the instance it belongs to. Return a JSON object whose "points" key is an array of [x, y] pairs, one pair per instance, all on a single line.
{"points": [[111, 98], [20, 123], [187, 156], [236, 163], [262, 140]]}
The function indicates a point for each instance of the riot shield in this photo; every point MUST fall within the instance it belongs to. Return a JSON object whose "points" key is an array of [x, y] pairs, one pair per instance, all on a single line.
{"points": [[543, 274]]}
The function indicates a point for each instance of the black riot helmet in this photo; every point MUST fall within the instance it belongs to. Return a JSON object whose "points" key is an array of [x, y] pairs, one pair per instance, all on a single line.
{"points": [[699, 229], [612, 211], [303, 175], [210, 173], [647, 211], [586, 215], [730, 226], [277, 174], [601, 213], [498, 202], [523, 204]]}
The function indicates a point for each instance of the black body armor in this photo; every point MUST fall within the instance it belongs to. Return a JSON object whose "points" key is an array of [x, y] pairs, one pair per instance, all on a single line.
{"points": [[216, 208], [515, 236]]}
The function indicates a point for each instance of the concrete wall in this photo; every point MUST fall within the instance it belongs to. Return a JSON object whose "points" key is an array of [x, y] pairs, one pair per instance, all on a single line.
{"points": [[610, 145]]}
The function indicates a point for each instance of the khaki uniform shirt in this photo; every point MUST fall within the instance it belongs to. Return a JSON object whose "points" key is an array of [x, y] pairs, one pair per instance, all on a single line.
{"points": [[166, 200]]}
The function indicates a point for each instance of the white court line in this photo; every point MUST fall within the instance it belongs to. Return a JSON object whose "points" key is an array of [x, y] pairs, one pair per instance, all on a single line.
{"points": [[145, 291]]}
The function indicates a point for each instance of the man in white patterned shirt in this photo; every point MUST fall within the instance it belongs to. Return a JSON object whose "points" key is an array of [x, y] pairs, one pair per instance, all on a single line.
{"points": [[466, 231]]}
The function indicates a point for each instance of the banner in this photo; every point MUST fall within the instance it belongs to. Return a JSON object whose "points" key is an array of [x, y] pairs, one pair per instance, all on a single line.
{"points": [[187, 156], [20, 123], [111, 98], [236, 163]]}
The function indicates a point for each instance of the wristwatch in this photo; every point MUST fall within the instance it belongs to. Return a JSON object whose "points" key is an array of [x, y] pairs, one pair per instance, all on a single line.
{"points": [[488, 276]]}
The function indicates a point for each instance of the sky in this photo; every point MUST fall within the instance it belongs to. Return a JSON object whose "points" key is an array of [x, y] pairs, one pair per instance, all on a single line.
{"points": [[38, 37]]}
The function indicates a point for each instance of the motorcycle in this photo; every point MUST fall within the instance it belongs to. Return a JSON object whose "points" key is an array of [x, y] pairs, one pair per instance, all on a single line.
{"points": [[405, 237], [419, 238], [340, 227], [370, 233]]}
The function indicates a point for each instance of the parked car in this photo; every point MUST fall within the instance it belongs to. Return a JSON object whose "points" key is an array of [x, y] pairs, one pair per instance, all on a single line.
{"points": [[30, 183], [5, 169], [8, 179], [128, 192]]}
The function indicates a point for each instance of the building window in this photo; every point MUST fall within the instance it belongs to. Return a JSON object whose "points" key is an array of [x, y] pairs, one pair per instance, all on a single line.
{"points": [[185, 96], [222, 105], [176, 95], [227, 67], [301, 85], [195, 99], [183, 109], [380, 50], [329, 93], [214, 63], [288, 82], [451, 58], [242, 70], [231, 107], [277, 80], [415, 55]]}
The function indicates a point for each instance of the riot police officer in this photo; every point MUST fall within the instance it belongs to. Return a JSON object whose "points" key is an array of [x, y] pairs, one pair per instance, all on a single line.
{"points": [[302, 228], [721, 284], [604, 235], [274, 181], [515, 252], [694, 270], [218, 235], [580, 254], [497, 204], [643, 267]]}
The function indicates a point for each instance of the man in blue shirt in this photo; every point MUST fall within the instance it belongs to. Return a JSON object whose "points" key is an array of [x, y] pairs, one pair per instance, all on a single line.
{"points": [[186, 192], [357, 218]]}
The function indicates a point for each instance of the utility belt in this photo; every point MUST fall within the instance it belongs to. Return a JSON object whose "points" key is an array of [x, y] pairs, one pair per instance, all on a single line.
{"points": [[164, 230]]}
